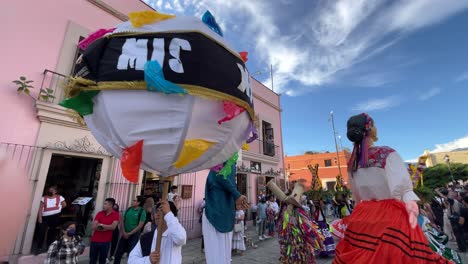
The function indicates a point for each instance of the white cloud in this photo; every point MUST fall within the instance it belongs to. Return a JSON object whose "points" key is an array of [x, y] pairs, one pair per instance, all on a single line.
{"points": [[455, 144], [411, 161], [309, 48], [462, 77], [415, 14], [377, 104], [429, 94], [373, 80]]}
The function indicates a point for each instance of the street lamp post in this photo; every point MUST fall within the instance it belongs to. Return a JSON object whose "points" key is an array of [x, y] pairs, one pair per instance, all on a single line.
{"points": [[341, 143], [262, 72], [336, 143], [447, 159]]}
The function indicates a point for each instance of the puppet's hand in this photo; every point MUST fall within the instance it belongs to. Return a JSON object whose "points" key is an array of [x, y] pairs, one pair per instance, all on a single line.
{"points": [[241, 203], [413, 211]]}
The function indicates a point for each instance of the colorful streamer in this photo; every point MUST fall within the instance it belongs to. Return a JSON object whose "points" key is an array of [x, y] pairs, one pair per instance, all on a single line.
{"points": [[81, 103], [154, 78], [138, 19], [84, 44], [192, 150], [298, 236], [226, 170], [231, 110], [130, 161], [210, 21]]}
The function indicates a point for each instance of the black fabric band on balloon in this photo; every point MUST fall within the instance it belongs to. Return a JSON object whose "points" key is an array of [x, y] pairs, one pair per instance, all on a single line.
{"points": [[187, 58]]}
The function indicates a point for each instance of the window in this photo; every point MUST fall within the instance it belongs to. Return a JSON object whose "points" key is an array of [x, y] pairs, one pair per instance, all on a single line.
{"points": [[331, 185], [268, 139], [78, 53], [328, 163], [241, 180], [255, 167]]}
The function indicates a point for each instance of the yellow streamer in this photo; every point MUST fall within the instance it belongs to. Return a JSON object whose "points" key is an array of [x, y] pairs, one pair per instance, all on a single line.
{"points": [[192, 150], [245, 146], [139, 19]]}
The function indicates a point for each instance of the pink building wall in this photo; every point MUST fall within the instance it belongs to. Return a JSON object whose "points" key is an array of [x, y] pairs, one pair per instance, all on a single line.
{"points": [[188, 213], [269, 112], [33, 34]]}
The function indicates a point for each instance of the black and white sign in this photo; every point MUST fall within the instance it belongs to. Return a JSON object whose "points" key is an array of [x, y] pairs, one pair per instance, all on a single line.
{"points": [[188, 58], [255, 167]]}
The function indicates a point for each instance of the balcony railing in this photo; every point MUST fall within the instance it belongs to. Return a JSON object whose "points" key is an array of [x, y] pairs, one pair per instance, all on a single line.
{"points": [[55, 82], [265, 148]]}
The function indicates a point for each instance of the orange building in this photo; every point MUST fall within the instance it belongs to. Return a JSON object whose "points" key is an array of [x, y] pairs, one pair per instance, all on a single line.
{"points": [[329, 168]]}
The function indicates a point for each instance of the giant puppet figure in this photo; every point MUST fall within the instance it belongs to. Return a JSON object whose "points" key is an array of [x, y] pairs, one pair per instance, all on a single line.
{"points": [[383, 226], [166, 94], [222, 199], [319, 215], [298, 235]]}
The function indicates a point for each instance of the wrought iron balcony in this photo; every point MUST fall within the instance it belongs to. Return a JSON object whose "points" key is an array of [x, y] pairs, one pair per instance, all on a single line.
{"points": [[52, 84], [266, 148]]}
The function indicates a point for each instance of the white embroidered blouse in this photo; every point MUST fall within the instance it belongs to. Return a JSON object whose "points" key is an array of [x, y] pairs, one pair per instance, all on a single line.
{"points": [[386, 178]]}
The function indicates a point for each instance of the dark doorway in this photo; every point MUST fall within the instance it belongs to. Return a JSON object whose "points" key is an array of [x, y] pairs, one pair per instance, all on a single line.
{"points": [[241, 180], [75, 177], [331, 185], [152, 186]]}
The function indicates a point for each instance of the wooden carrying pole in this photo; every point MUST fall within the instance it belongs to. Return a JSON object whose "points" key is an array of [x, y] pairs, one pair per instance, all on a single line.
{"points": [[293, 199], [162, 223]]}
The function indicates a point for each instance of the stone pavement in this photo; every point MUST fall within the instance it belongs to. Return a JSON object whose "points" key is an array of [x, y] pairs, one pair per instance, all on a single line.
{"points": [[267, 251]]}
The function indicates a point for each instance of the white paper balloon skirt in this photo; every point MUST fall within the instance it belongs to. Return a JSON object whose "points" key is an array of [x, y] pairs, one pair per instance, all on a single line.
{"points": [[164, 122]]}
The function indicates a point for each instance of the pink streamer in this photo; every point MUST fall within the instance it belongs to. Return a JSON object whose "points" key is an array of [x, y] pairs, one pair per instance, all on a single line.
{"points": [[84, 44], [217, 168], [231, 110]]}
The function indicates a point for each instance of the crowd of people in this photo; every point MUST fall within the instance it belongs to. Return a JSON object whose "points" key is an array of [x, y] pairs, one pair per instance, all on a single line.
{"points": [[113, 235]]}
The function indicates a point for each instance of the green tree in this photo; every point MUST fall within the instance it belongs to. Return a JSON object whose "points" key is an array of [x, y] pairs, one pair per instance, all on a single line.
{"points": [[439, 175]]}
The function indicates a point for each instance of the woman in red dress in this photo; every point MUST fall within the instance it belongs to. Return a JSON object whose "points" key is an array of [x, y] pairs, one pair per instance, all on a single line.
{"points": [[383, 226]]}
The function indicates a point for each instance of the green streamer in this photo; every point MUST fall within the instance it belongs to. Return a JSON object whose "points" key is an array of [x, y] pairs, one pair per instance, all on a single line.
{"points": [[82, 103], [227, 169]]}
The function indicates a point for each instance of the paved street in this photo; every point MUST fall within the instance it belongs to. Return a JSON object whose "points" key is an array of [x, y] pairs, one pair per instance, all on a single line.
{"points": [[266, 252]]}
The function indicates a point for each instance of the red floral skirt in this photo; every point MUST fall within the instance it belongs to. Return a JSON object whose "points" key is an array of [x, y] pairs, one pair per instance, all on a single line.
{"points": [[379, 232]]}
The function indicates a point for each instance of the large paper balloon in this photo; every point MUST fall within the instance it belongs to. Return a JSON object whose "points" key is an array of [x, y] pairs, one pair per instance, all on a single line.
{"points": [[165, 92]]}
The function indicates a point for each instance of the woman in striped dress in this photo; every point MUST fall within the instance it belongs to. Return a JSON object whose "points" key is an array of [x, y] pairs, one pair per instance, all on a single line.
{"points": [[383, 227]]}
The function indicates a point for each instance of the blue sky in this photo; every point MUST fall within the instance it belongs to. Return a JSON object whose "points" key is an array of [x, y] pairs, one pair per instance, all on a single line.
{"points": [[403, 62]]}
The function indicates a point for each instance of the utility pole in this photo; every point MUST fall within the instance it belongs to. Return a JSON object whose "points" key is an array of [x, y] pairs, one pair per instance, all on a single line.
{"points": [[336, 143]]}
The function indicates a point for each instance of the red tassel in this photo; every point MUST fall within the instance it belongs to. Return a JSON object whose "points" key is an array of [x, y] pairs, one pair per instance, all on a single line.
{"points": [[243, 55], [131, 160], [231, 110]]}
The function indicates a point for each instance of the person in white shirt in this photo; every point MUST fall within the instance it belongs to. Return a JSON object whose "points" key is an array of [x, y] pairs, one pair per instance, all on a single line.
{"points": [[274, 205], [170, 196], [173, 238], [49, 215]]}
